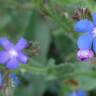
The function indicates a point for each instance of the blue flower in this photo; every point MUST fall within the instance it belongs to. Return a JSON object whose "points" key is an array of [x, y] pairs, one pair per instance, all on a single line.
{"points": [[78, 93], [88, 39], [14, 79], [12, 56], [1, 80]]}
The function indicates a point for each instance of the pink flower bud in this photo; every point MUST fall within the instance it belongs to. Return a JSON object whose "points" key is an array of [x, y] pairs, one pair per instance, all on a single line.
{"points": [[85, 55]]}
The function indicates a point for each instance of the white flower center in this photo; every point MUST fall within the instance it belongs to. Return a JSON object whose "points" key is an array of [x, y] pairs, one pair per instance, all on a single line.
{"points": [[94, 32], [13, 53], [84, 53]]}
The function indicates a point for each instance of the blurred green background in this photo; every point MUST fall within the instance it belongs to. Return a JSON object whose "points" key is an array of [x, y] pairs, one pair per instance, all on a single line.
{"points": [[55, 69]]}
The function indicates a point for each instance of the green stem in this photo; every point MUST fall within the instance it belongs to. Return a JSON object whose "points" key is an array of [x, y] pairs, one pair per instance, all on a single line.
{"points": [[8, 91]]}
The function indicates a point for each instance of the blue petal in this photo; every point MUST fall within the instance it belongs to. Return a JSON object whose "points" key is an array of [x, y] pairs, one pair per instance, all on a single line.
{"points": [[94, 18], [1, 79], [81, 93], [84, 26], [3, 57], [4, 42], [78, 93], [22, 43], [13, 75], [15, 79], [12, 64], [85, 41], [23, 58], [94, 45]]}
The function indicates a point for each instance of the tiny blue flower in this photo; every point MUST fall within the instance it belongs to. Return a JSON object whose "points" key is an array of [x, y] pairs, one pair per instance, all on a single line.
{"points": [[78, 93], [88, 39], [15, 80], [12, 56], [1, 79]]}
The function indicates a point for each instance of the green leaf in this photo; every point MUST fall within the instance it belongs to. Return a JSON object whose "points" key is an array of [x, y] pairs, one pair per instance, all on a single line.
{"points": [[85, 75], [19, 24], [66, 44], [38, 30], [5, 20]]}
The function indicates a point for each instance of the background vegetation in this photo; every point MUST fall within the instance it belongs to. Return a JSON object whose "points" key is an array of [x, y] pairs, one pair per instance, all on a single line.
{"points": [[54, 69]]}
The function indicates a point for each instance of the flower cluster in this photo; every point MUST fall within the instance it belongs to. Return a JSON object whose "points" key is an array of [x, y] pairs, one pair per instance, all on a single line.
{"points": [[86, 42], [12, 56]]}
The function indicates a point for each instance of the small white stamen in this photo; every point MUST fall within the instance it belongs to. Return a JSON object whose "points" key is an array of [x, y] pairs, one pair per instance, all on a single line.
{"points": [[85, 53], [13, 53]]}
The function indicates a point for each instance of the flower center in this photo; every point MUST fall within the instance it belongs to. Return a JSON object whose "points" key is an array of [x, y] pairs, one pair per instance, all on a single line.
{"points": [[85, 53], [13, 53], [94, 32]]}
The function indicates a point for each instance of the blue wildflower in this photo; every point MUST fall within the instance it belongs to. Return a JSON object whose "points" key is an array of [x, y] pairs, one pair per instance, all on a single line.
{"points": [[14, 80], [88, 39], [1, 80], [78, 93], [12, 56]]}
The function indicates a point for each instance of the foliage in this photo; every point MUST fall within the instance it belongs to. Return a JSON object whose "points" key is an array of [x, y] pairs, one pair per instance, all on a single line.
{"points": [[49, 22]]}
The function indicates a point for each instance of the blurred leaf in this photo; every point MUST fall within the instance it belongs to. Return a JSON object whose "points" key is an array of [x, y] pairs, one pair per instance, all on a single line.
{"points": [[85, 75], [19, 23], [36, 88], [4, 20], [86, 82], [38, 30], [65, 43]]}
